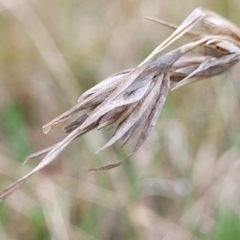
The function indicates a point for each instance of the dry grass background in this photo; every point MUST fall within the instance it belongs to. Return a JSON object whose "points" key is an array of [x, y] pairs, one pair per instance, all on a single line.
{"points": [[182, 184]]}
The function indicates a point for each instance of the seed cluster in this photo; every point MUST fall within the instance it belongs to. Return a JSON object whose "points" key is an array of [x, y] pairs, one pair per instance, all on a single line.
{"points": [[131, 101]]}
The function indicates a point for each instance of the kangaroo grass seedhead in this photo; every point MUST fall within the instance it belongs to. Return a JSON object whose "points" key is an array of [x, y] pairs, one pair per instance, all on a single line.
{"points": [[132, 100]]}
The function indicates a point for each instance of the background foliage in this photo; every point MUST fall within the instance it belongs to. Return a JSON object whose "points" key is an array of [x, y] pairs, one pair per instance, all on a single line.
{"points": [[182, 184]]}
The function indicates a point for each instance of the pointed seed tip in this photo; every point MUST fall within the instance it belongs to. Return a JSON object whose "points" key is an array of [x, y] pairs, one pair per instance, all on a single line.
{"points": [[46, 128], [25, 162]]}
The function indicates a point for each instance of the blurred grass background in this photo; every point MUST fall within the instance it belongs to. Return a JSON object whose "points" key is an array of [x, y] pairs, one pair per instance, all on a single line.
{"points": [[182, 184]]}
